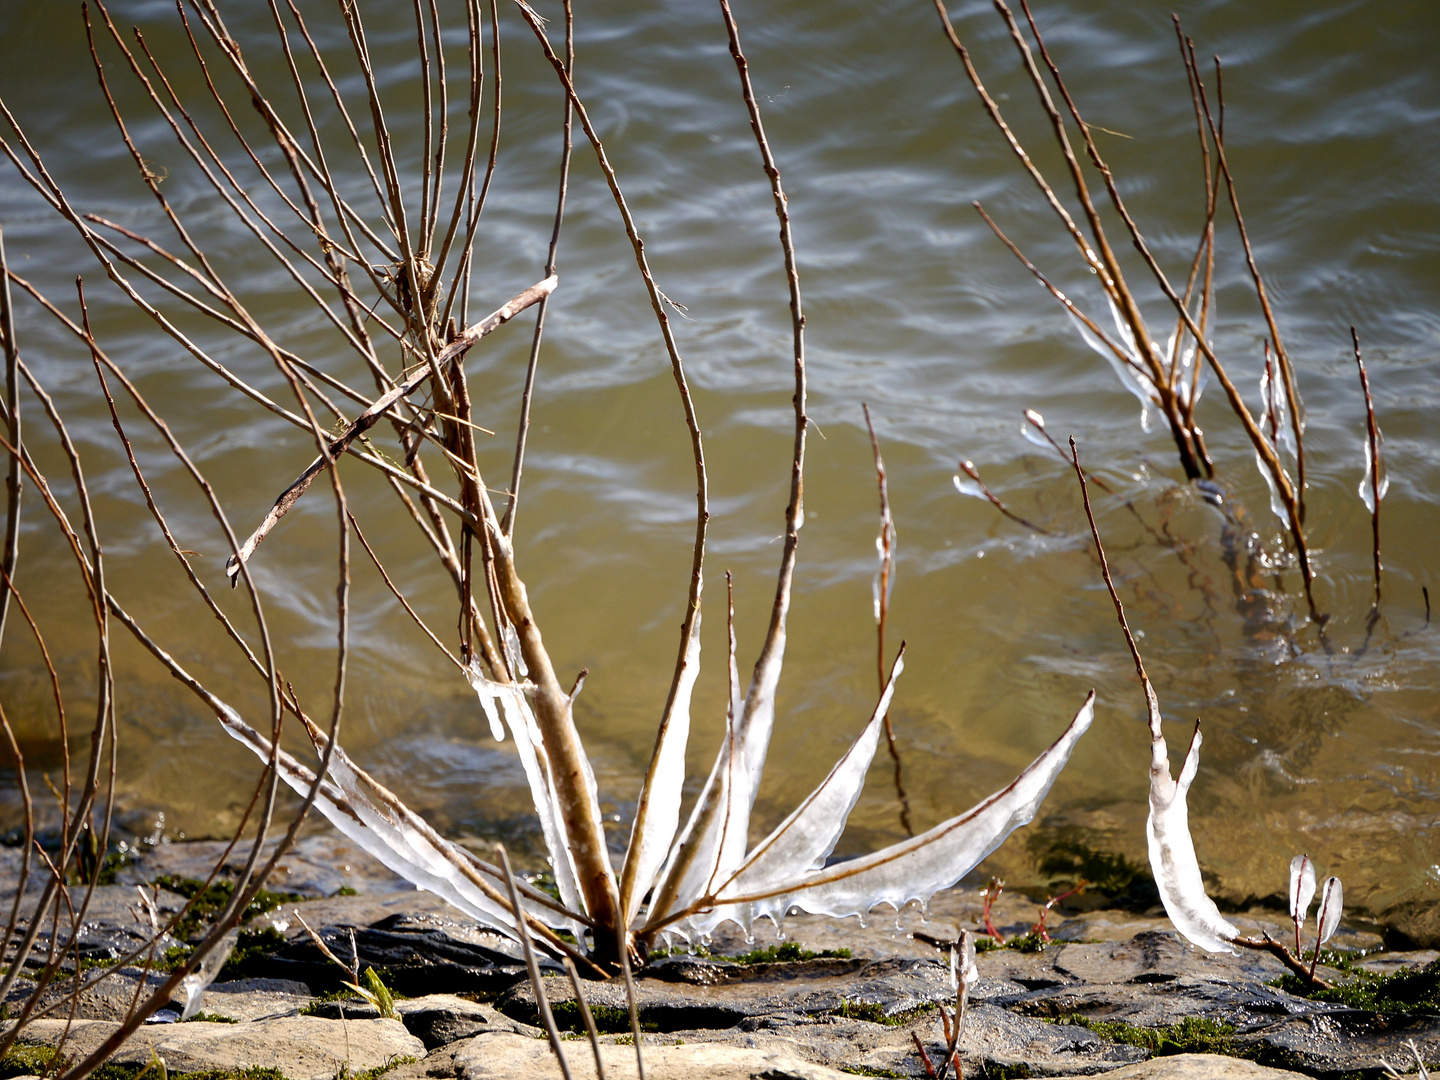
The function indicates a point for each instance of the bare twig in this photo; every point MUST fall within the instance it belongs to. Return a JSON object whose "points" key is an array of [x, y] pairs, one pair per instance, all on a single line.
{"points": [[634, 1011], [586, 1017], [371, 416], [532, 965], [11, 349], [566, 144]]}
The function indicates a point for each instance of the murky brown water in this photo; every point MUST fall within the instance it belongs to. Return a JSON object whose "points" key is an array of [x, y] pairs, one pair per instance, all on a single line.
{"points": [[914, 308]]}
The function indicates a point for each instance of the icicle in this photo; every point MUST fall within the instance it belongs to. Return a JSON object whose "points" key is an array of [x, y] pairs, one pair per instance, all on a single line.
{"points": [[1126, 372], [967, 486], [1367, 485], [483, 690], [651, 836], [801, 843], [1031, 429], [1276, 506]]}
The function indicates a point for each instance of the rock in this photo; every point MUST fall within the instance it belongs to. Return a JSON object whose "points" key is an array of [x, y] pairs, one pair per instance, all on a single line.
{"points": [[732, 993], [513, 1057], [301, 1047], [1412, 925], [442, 1019], [317, 865], [436, 1019], [110, 929], [1199, 1067], [256, 999], [1345, 1041], [1388, 962], [418, 955]]}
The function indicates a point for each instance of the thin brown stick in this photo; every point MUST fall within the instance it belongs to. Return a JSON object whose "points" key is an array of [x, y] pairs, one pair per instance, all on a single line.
{"points": [[585, 1016], [566, 145], [372, 415], [401, 596], [634, 1011], [532, 965], [11, 348], [885, 542], [1372, 443]]}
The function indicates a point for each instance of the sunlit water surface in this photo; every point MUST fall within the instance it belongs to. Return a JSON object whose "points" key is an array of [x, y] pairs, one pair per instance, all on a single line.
{"points": [[1327, 745]]}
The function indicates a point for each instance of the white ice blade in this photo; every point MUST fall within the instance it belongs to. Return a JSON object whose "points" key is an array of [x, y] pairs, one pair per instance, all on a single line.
{"points": [[965, 486], [695, 858], [1332, 901], [520, 718], [802, 842], [1129, 377], [193, 986], [422, 858], [1302, 888], [1172, 853], [1276, 506], [917, 868], [658, 814]]}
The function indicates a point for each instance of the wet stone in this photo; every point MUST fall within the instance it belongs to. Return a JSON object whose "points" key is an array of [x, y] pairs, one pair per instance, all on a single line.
{"points": [[416, 955]]}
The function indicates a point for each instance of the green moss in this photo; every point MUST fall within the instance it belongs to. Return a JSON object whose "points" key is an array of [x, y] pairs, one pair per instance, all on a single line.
{"points": [[25, 1059], [346, 890], [211, 1018], [996, 1071], [210, 902], [609, 1020], [788, 953], [872, 1070], [378, 1070], [874, 1012], [1193, 1035], [1409, 990], [1025, 943]]}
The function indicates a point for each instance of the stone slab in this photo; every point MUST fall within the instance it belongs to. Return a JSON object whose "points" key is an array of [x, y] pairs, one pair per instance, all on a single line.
{"points": [[301, 1047], [504, 1056], [1199, 1067]]}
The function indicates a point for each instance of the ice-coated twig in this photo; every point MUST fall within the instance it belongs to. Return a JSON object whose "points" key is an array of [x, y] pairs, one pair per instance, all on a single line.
{"points": [[1167, 828], [1376, 482], [885, 544], [975, 487], [1302, 892]]}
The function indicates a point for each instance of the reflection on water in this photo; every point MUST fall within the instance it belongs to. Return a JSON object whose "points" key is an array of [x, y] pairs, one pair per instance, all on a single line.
{"points": [[1328, 746]]}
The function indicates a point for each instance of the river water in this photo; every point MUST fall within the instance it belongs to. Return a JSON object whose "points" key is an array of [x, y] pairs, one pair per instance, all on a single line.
{"points": [[1327, 743]]}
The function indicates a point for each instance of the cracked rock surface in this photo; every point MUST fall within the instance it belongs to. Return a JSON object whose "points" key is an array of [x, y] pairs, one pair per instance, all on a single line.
{"points": [[471, 1012]]}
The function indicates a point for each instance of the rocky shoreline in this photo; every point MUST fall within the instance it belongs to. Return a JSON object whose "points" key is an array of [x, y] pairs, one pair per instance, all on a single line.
{"points": [[1113, 993]]}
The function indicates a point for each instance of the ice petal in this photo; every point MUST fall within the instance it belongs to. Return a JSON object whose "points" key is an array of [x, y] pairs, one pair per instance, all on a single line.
{"points": [[917, 868], [801, 843], [1332, 901], [1302, 887], [1172, 851], [658, 814]]}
